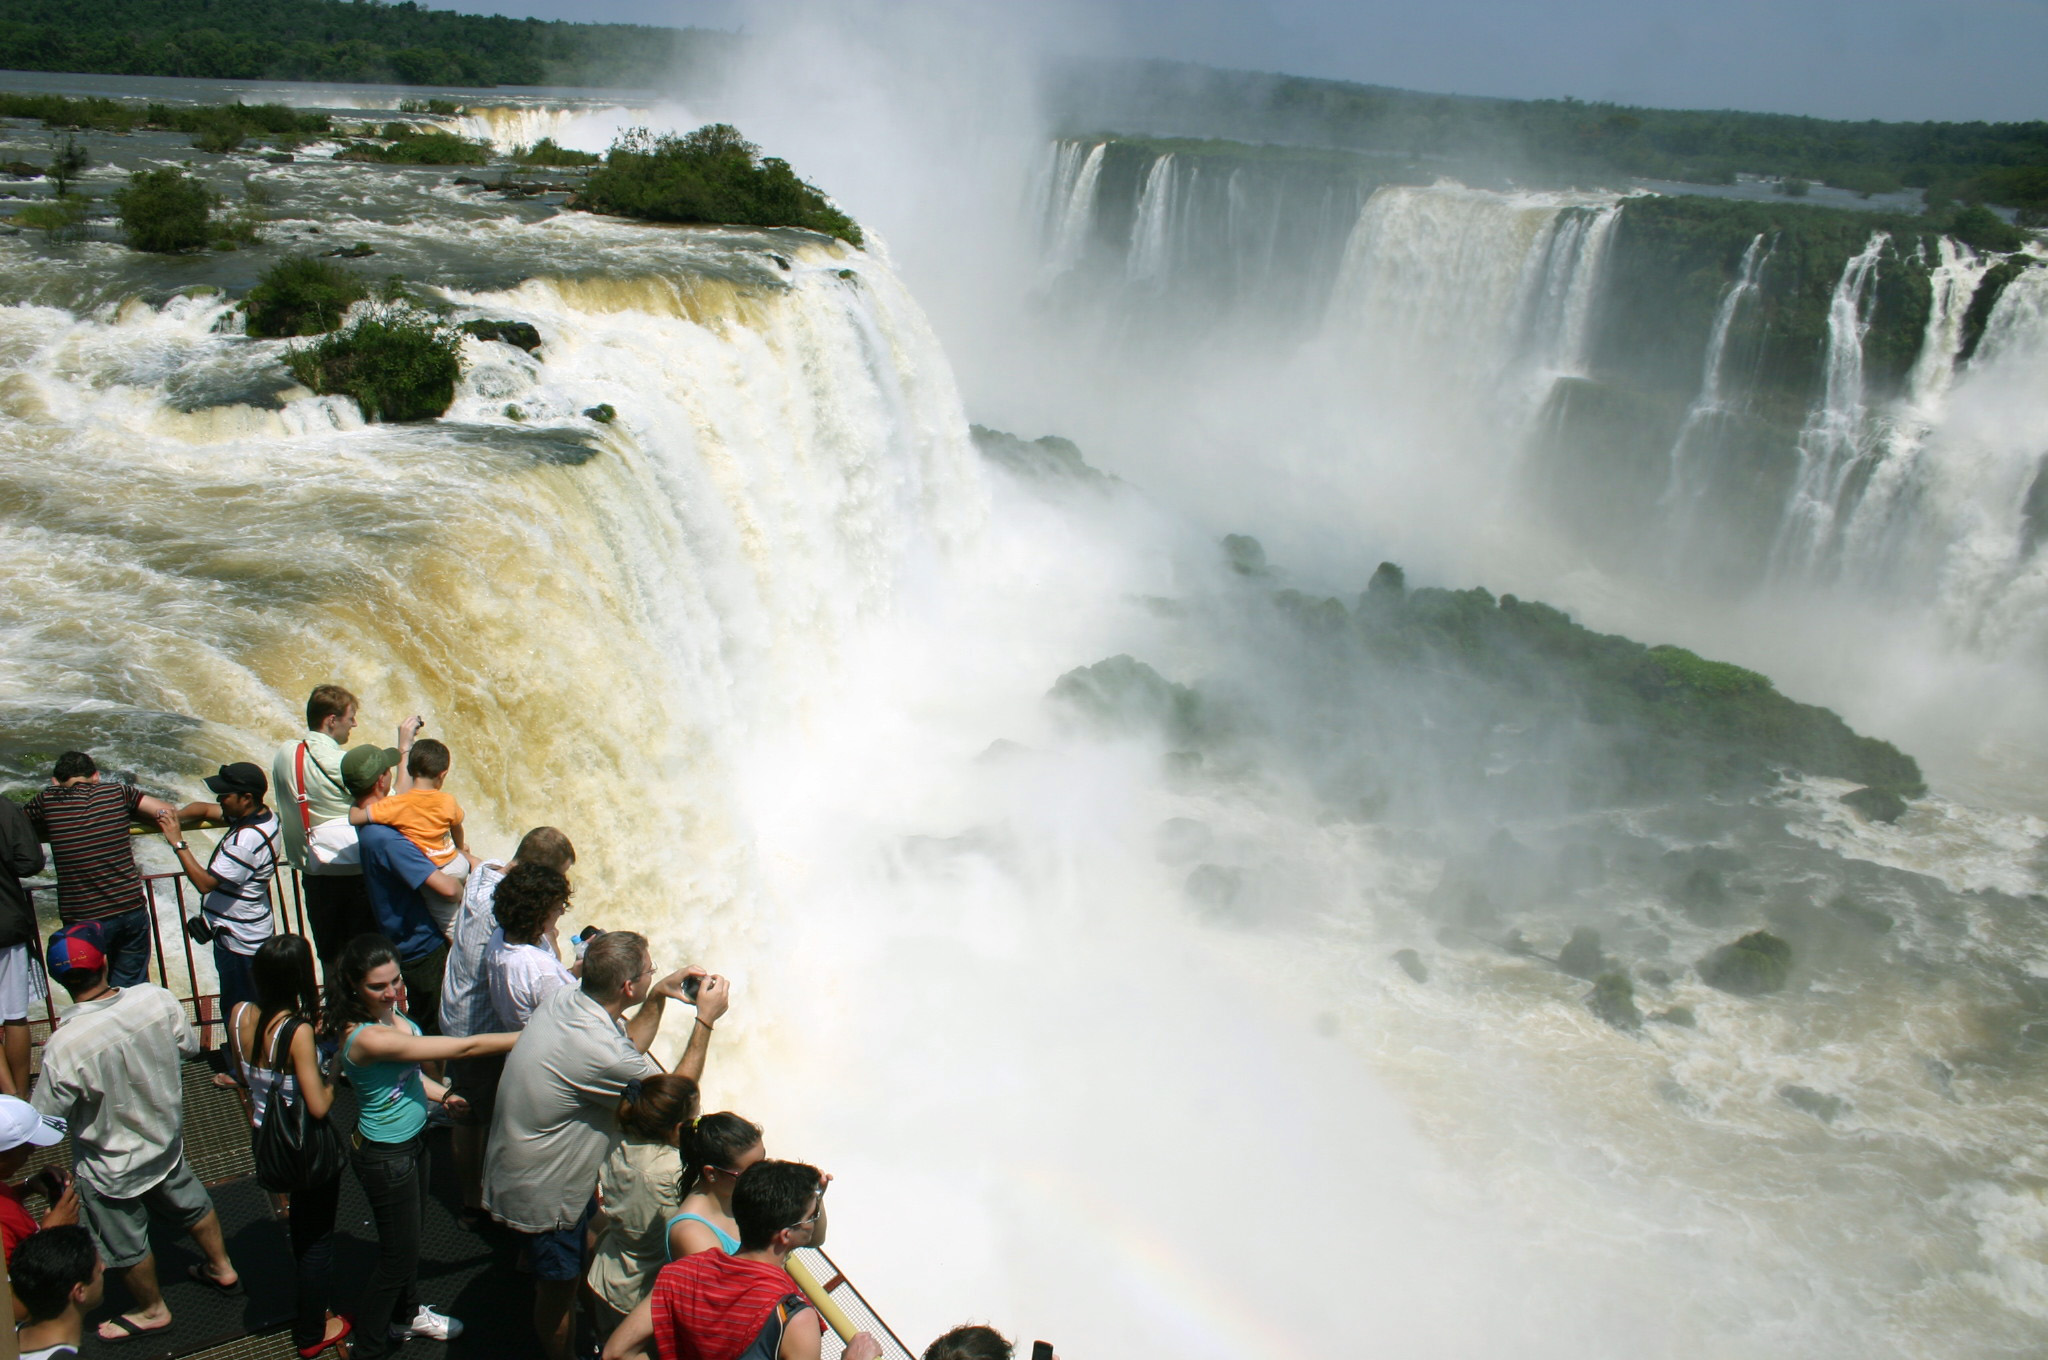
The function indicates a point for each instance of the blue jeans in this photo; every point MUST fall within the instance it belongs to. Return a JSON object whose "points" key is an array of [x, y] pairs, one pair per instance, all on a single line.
{"points": [[127, 937], [236, 983]]}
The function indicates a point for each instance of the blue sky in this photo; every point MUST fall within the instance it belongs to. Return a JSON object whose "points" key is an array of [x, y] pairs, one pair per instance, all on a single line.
{"points": [[1891, 59]]}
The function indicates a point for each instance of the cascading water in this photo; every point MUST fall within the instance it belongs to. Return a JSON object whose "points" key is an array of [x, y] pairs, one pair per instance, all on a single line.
{"points": [[1832, 443], [1713, 401], [1070, 205], [1151, 252], [579, 127]]}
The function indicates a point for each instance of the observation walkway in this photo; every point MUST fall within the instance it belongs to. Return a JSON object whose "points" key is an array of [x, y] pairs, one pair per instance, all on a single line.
{"points": [[468, 1275]]}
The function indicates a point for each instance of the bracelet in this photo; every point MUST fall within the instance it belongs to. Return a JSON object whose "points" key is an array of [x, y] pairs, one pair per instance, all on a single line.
{"points": [[178, 849], [706, 1024]]}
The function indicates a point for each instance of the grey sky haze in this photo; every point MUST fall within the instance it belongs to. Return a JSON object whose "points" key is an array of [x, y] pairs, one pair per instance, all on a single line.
{"points": [[1890, 59]]}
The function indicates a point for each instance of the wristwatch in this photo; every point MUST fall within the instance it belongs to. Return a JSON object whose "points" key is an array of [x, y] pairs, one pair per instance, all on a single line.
{"points": [[178, 849]]}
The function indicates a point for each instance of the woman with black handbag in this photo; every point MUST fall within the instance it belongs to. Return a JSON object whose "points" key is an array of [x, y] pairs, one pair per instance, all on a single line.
{"points": [[297, 1151]]}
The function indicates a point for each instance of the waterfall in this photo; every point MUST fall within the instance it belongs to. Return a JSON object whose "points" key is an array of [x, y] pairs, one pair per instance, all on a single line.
{"points": [[1477, 285], [785, 455], [1833, 440], [1881, 524], [1560, 305], [1711, 403], [580, 127], [1152, 232], [1071, 198]]}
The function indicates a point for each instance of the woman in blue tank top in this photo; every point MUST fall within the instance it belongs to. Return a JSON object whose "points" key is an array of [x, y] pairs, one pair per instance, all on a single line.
{"points": [[381, 1050], [714, 1153]]}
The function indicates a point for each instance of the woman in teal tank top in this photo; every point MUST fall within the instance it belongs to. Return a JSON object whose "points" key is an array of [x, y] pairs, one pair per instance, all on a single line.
{"points": [[715, 1152], [381, 1050]]}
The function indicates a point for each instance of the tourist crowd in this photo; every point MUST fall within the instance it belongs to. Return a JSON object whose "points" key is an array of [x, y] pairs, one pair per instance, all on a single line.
{"points": [[449, 998]]}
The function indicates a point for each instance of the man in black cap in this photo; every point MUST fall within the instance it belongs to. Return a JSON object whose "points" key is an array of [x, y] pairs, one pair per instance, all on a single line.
{"points": [[236, 879]]}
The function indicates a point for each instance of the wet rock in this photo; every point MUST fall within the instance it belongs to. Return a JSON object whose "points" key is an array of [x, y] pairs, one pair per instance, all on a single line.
{"points": [[1677, 1015], [520, 334], [1613, 999], [602, 413], [1581, 955], [1826, 1108], [1674, 1094], [1942, 1075], [1246, 555], [1701, 894], [1754, 965], [1875, 805], [1656, 977], [468, 182], [279, 157], [355, 252], [1517, 946], [22, 170], [1412, 964]]}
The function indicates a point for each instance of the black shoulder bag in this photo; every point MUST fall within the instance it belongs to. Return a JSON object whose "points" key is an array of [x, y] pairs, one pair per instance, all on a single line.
{"points": [[294, 1150]]}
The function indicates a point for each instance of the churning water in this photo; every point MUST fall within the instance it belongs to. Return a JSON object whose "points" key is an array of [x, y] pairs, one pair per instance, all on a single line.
{"points": [[1102, 1044]]}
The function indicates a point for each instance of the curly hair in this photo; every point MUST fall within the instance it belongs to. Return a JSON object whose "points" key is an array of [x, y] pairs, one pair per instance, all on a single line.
{"points": [[525, 897]]}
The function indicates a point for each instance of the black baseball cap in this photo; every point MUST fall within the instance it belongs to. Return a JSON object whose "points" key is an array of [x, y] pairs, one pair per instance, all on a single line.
{"points": [[240, 777]]}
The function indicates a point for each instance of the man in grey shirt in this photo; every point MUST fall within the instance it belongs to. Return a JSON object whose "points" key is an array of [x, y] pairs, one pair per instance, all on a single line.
{"points": [[112, 1069], [558, 1103]]}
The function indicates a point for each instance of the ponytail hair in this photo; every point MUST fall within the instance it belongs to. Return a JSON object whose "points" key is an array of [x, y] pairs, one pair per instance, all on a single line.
{"points": [[717, 1142], [653, 1106]]}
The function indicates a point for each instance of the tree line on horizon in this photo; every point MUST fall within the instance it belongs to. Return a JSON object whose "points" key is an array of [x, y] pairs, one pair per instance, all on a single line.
{"points": [[357, 41], [2004, 163]]}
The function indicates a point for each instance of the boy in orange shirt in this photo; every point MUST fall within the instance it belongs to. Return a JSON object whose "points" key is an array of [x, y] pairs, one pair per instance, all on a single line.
{"points": [[425, 814]]}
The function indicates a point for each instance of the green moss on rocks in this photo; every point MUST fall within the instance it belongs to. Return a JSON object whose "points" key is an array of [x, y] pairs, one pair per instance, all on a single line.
{"points": [[1613, 999], [1754, 965]]}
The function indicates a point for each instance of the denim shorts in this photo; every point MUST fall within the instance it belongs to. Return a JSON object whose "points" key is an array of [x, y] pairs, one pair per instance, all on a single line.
{"points": [[558, 1255]]}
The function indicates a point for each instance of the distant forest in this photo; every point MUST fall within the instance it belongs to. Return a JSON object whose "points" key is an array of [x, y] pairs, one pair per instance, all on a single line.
{"points": [[406, 43], [2004, 163], [341, 40]]}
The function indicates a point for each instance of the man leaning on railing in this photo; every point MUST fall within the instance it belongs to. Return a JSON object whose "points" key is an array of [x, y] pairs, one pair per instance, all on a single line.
{"points": [[86, 824]]}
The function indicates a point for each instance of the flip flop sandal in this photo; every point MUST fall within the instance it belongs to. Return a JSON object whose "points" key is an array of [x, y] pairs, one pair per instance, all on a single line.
{"points": [[128, 1331], [198, 1275]]}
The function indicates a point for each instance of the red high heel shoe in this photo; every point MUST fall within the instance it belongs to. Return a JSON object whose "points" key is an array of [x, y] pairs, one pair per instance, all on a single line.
{"points": [[338, 1343]]}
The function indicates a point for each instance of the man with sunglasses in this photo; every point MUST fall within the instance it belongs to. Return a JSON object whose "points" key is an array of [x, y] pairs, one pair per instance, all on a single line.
{"points": [[745, 1307]]}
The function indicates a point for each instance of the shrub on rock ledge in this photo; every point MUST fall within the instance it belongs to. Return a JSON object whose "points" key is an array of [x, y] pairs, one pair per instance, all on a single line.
{"points": [[398, 364], [711, 176], [302, 296], [165, 211]]}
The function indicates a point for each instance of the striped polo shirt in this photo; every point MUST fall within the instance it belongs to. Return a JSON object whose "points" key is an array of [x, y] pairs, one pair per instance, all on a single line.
{"points": [[244, 863], [86, 826]]}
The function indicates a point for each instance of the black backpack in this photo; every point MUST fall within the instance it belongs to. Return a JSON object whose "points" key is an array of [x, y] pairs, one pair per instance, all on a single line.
{"points": [[294, 1150]]}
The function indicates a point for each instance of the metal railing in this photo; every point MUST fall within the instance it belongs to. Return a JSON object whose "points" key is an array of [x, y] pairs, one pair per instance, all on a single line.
{"points": [[288, 910]]}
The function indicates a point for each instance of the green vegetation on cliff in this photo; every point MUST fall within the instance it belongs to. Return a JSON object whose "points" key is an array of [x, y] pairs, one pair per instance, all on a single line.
{"points": [[403, 43], [1415, 700], [710, 176]]}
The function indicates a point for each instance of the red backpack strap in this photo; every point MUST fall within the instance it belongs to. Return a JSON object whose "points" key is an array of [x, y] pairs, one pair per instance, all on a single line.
{"points": [[305, 803]]}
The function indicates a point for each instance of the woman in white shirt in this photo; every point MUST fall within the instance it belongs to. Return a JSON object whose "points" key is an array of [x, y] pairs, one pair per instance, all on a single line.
{"points": [[520, 963]]}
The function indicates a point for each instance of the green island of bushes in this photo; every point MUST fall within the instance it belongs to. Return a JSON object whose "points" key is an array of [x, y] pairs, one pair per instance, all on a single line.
{"points": [[397, 362], [301, 295], [710, 176], [410, 144]]}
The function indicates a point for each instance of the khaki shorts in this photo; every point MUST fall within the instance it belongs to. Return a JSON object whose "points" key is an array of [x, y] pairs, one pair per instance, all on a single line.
{"points": [[120, 1227]]}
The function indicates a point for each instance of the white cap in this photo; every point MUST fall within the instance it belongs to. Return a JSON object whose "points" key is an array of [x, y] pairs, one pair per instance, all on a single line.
{"points": [[19, 1123]]}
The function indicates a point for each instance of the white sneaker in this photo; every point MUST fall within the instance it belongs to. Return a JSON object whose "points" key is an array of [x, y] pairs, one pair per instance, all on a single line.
{"points": [[429, 1324]]}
